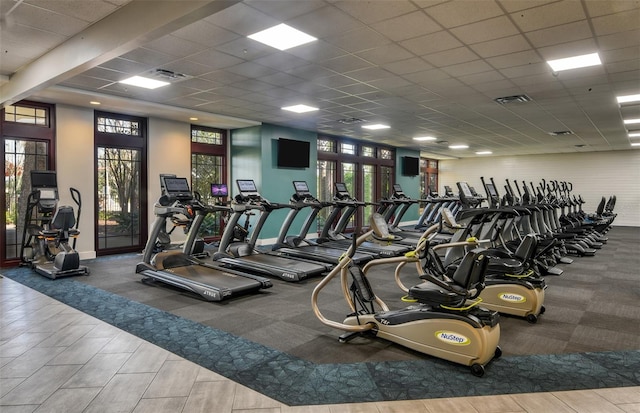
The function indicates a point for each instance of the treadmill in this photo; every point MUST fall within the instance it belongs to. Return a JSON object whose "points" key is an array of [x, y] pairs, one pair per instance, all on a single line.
{"points": [[244, 255], [299, 246], [181, 269], [334, 235]]}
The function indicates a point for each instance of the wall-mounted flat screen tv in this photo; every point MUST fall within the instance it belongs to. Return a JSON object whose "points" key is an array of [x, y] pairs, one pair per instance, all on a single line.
{"points": [[410, 166], [293, 153]]}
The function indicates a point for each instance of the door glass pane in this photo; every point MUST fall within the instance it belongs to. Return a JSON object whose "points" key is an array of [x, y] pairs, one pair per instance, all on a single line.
{"points": [[349, 179], [369, 190], [207, 170], [326, 180], [20, 158], [118, 198], [386, 180]]}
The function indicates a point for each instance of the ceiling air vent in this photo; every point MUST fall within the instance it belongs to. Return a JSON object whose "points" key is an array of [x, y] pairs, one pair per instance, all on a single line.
{"points": [[168, 75], [350, 121], [561, 133], [512, 99]]}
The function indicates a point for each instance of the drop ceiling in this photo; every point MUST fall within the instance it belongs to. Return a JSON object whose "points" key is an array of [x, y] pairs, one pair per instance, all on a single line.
{"points": [[423, 67]]}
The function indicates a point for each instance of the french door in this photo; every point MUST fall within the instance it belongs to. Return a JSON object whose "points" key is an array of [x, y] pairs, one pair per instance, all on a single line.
{"points": [[21, 156], [120, 183]]}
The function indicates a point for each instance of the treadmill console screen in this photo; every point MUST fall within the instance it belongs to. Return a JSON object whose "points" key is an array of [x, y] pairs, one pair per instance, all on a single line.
{"points": [[341, 188], [43, 179], [247, 186], [177, 188], [464, 188], [219, 190], [397, 190], [301, 187], [492, 190]]}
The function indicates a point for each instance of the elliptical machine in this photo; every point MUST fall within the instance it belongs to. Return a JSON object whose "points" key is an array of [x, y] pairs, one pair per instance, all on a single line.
{"points": [[46, 234], [442, 323]]}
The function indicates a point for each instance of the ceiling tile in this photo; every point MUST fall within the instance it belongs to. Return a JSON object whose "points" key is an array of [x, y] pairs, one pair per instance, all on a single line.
{"points": [[431, 43], [42, 19], [560, 34], [371, 12], [281, 61], [126, 66], [516, 5], [468, 68], [245, 48], [619, 40], [359, 39], [485, 30], [600, 8], [549, 15], [346, 63], [385, 54], [402, 67], [251, 70], [205, 33], [618, 22], [451, 57], [514, 59], [459, 13], [175, 46], [315, 23], [317, 51], [285, 9], [149, 57], [504, 46], [407, 26], [242, 19], [479, 78]]}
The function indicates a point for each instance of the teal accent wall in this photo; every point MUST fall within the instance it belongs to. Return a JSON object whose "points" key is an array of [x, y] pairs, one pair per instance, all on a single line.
{"points": [[410, 184], [256, 148]]}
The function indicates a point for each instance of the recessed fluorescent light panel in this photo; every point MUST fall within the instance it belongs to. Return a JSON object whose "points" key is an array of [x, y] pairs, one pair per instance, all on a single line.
{"points": [[300, 108], [144, 82], [484, 153], [458, 146], [635, 144], [575, 62], [628, 98], [282, 37], [631, 121], [376, 126], [424, 138], [634, 134]]}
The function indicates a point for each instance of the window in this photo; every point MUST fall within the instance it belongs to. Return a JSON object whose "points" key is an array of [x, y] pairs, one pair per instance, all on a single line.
{"points": [[428, 176], [326, 145], [118, 126], [121, 173], [386, 154], [348, 148], [208, 166], [26, 114], [207, 135], [368, 151], [28, 135], [368, 178]]}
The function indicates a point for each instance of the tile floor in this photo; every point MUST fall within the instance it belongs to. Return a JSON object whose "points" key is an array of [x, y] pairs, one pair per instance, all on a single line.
{"points": [[54, 358]]}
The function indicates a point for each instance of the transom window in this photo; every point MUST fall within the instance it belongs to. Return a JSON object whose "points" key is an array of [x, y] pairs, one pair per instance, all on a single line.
{"points": [[386, 154], [118, 126], [369, 151], [208, 136], [26, 115], [326, 145], [347, 148]]}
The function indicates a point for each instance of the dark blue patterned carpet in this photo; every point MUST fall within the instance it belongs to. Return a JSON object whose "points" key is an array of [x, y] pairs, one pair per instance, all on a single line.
{"points": [[299, 382]]}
